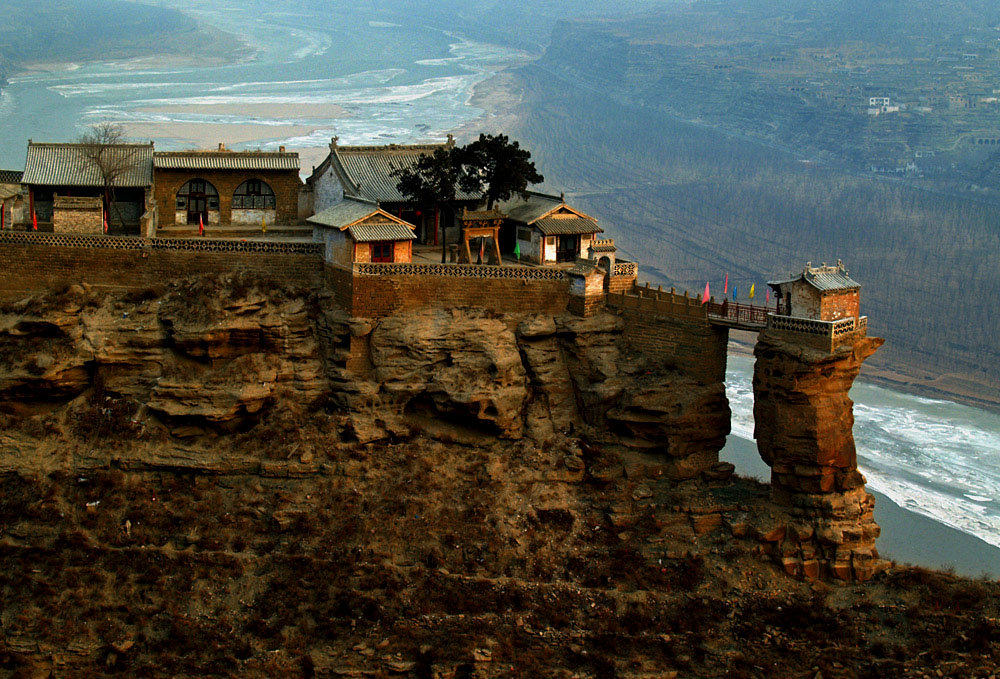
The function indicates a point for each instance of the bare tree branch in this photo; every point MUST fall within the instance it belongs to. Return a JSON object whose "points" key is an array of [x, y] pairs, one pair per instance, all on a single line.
{"points": [[104, 149]]}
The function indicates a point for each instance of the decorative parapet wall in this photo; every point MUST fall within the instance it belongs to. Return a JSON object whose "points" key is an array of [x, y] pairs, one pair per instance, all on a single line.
{"points": [[657, 301], [521, 273], [825, 335], [626, 269], [135, 243]]}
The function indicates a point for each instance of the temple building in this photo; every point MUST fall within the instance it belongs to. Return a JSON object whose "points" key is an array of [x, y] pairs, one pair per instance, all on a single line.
{"points": [[366, 173], [546, 229], [227, 188], [359, 231], [822, 293], [65, 186]]}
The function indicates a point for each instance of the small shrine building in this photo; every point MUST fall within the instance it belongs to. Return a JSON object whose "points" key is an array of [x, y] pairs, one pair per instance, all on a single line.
{"points": [[546, 230], [359, 231], [822, 293]]}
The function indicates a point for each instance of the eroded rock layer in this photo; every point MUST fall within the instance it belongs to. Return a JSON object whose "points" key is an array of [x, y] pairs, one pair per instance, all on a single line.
{"points": [[804, 421], [225, 353]]}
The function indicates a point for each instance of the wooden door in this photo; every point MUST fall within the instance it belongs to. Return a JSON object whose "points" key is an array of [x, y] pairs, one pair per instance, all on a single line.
{"points": [[197, 208], [382, 252], [567, 248]]}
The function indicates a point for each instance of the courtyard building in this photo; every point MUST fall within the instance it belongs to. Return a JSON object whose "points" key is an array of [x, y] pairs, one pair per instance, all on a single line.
{"points": [[65, 187], [367, 173], [226, 188], [358, 231]]}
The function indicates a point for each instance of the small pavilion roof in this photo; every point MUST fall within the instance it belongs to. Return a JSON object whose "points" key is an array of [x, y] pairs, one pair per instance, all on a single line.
{"points": [[364, 220], [824, 278], [67, 165], [550, 214]]}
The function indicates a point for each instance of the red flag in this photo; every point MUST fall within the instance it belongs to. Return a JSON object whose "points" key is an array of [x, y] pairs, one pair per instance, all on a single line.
{"points": [[725, 287], [482, 245], [201, 226], [767, 296], [705, 298], [105, 220], [34, 221], [3, 213]]}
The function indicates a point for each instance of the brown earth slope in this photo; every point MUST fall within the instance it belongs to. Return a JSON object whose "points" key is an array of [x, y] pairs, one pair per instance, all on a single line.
{"points": [[209, 480]]}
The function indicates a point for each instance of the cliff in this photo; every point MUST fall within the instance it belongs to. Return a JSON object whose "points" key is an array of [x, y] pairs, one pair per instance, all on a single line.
{"points": [[228, 478]]}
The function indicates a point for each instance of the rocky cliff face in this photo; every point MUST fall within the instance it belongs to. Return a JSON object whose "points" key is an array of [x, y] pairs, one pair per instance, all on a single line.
{"points": [[223, 353], [222, 479], [804, 422]]}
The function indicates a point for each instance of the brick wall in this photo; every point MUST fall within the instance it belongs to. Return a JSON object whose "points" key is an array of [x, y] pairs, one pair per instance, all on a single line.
{"points": [[620, 284], [692, 345], [837, 305], [78, 215], [29, 267], [376, 296], [285, 184]]}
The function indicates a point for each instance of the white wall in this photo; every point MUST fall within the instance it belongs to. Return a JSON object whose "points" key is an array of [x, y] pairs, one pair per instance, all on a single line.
{"points": [[328, 190], [338, 247]]}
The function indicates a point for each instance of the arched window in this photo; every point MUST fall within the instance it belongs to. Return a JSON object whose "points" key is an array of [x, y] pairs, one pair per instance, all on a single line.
{"points": [[196, 198], [253, 194]]}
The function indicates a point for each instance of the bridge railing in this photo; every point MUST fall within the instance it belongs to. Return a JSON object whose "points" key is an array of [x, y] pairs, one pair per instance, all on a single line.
{"points": [[741, 314]]}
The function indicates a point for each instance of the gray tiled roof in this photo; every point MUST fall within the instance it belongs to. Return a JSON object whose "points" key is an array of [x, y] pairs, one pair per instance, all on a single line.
{"points": [[527, 210], [553, 226], [66, 165], [11, 176], [823, 278], [346, 212], [364, 233], [370, 168], [225, 160], [532, 209]]}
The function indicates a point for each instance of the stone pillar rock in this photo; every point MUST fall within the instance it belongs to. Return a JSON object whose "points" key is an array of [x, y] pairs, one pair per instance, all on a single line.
{"points": [[803, 426]]}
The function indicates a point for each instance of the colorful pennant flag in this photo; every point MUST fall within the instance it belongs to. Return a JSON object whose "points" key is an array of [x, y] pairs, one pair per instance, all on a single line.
{"points": [[201, 226], [704, 299], [104, 214], [751, 290], [736, 295], [767, 296], [725, 287], [263, 224], [34, 221], [517, 249]]}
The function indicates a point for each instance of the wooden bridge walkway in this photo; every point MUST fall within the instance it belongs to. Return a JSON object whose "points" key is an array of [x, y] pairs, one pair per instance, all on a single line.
{"points": [[739, 316]]}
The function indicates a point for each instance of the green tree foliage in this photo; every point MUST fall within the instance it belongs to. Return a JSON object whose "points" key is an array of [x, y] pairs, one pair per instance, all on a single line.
{"points": [[496, 167], [432, 180]]}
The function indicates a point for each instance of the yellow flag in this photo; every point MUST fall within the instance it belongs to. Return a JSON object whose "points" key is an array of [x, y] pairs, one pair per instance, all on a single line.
{"points": [[263, 224], [751, 291]]}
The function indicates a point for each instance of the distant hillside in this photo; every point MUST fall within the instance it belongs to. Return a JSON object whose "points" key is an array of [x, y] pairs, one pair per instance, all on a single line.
{"points": [[693, 203], [59, 30]]}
